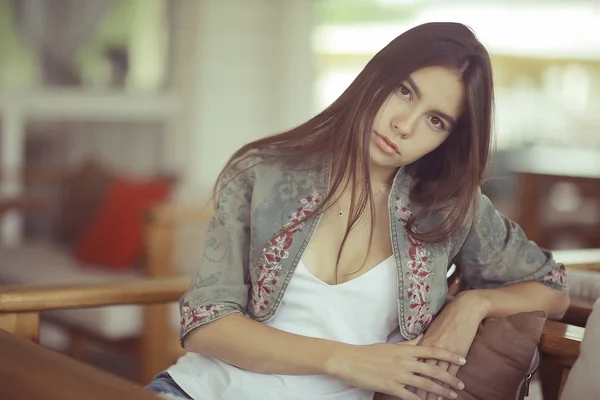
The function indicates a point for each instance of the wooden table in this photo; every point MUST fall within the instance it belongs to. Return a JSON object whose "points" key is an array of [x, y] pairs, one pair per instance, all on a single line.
{"points": [[30, 371], [539, 168]]}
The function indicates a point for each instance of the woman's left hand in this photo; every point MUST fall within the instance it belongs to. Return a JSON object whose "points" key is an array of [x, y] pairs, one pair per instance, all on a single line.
{"points": [[454, 329]]}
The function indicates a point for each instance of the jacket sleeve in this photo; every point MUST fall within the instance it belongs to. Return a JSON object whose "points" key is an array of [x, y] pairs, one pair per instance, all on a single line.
{"points": [[496, 252], [219, 286]]}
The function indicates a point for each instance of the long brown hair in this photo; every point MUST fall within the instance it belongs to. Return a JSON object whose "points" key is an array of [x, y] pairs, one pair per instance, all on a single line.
{"points": [[453, 171]]}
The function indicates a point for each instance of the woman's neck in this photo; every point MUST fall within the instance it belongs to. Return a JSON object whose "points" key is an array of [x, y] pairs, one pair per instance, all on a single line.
{"points": [[382, 176]]}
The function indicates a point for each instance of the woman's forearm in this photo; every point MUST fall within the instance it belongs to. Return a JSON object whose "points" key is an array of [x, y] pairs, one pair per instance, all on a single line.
{"points": [[253, 346], [519, 297]]}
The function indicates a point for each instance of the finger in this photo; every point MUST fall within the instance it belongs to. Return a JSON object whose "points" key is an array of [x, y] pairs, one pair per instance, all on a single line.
{"points": [[440, 365], [427, 370], [420, 392], [438, 354], [401, 393], [427, 386], [453, 369], [432, 396], [423, 394], [413, 342], [444, 366]]}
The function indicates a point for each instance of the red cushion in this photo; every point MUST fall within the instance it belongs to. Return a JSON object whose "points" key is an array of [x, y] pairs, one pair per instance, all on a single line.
{"points": [[114, 237]]}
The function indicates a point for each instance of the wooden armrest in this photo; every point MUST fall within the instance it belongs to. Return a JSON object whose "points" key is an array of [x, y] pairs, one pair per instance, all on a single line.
{"points": [[579, 259], [562, 341], [578, 312], [23, 299], [20, 203], [39, 173], [171, 214], [584, 267]]}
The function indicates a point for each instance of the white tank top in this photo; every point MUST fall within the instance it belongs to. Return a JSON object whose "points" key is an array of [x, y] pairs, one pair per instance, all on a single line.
{"points": [[361, 311]]}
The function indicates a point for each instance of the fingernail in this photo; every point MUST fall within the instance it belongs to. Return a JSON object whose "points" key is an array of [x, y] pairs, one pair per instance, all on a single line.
{"points": [[440, 398], [462, 360], [453, 395], [461, 385]]}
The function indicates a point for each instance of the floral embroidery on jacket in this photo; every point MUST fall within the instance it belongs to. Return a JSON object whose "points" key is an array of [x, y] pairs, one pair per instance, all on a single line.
{"points": [[418, 289], [277, 251], [191, 315], [557, 277]]}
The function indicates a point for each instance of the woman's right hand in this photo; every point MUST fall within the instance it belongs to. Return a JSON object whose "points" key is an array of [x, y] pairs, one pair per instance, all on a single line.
{"points": [[391, 368]]}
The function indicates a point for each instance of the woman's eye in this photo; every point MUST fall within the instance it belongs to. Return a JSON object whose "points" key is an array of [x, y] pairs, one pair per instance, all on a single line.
{"points": [[404, 91], [438, 123]]}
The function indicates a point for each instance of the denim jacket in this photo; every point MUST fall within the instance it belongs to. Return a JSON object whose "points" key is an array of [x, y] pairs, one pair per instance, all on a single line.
{"points": [[247, 263]]}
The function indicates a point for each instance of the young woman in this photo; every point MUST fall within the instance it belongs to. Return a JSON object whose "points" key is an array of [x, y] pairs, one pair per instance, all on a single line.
{"points": [[325, 262]]}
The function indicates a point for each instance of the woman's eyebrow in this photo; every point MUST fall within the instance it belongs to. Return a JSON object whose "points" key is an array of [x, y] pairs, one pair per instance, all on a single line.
{"points": [[446, 117], [417, 92], [414, 87]]}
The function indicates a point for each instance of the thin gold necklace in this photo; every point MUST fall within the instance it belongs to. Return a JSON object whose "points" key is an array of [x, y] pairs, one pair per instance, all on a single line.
{"points": [[341, 212]]}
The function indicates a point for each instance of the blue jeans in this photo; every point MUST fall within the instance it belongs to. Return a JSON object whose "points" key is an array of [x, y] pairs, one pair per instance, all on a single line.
{"points": [[163, 383]]}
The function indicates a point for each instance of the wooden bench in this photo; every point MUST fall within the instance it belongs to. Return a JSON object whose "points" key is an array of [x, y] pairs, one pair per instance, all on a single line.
{"points": [[20, 307], [29, 371]]}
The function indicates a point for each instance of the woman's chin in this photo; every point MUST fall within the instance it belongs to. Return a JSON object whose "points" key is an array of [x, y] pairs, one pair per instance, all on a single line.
{"points": [[383, 160], [387, 164]]}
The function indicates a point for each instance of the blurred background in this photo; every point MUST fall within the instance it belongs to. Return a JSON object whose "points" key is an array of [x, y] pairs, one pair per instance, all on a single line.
{"points": [[106, 100]]}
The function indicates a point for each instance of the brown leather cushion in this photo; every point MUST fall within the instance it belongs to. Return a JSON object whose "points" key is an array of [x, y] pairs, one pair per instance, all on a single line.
{"points": [[500, 356], [82, 193]]}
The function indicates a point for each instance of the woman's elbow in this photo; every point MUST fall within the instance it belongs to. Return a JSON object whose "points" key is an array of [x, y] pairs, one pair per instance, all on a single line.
{"points": [[560, 305]]}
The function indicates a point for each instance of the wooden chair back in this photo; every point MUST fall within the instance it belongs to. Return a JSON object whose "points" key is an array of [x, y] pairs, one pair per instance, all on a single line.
{"points": [[157, 345]]}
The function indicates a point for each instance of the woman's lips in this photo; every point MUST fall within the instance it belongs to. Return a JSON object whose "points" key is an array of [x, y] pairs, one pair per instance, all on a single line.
{"points": [[386, 145]]}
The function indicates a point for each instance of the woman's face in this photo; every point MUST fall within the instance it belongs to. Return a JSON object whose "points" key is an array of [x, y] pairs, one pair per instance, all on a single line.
{"points": [[417, 117]]}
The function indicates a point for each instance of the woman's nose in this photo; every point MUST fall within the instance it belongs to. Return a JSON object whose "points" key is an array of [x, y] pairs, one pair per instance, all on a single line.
{"points": [[403, 126]]}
